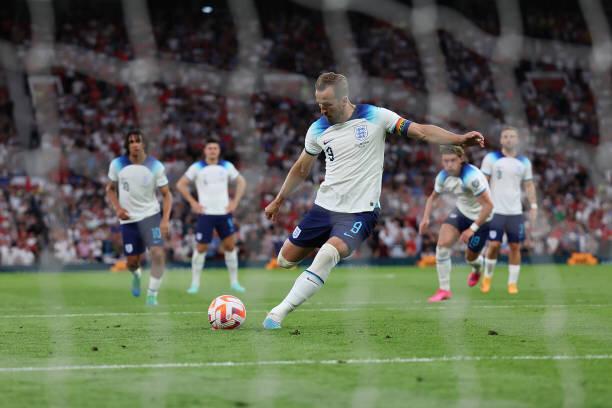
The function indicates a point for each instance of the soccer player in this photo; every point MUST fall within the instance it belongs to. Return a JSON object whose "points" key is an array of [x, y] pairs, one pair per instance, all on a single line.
{"points": [[347, 204], [506, 170], [468, 221], [135, 177], [214, 208]]}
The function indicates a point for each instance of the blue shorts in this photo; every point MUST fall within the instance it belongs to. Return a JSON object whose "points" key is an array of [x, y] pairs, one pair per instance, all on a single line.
{"points": [[319, 224], [224, 224], [512, 225], [461, 222], [137, 236]]}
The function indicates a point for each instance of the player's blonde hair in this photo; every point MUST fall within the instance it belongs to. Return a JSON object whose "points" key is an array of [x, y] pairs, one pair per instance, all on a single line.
{"points": [[338, 81], [453, 149]]}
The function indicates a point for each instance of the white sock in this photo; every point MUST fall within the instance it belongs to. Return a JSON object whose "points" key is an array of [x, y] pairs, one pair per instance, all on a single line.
{"points": [[513, 273], [197, 263], [476, 263], [490, 267], [154, 284], [443, 267], [231, 261], [309, 282]]}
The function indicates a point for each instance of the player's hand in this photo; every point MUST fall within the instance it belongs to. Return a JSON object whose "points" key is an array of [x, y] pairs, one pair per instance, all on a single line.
{"points": [[473, 138], [197, 208], [123, 214], [466, 235], [271, 210], [533, 216], [423, 226], [231, 206], [164, 227]]}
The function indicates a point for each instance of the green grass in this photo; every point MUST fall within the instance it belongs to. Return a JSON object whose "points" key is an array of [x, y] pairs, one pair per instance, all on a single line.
{"points": [[361, 313]]}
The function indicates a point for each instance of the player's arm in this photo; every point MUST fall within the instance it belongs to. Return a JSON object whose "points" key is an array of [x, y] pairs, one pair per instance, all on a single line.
{"points": [[530, 191], [486, 208], [183, 187], [297, 174], [164, 226], [111, 194], [240, 189], [429, 204], [437, 135]]}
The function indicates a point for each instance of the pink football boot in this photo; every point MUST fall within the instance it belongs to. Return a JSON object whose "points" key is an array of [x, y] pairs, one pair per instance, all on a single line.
{"points": [[440, 295], [473, 278]]}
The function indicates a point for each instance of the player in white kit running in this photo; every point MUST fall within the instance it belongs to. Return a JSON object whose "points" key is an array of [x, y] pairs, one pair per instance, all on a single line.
{"points": [[468, 221], [507, 171], [135, 177], [347, 204], [211, 176]]}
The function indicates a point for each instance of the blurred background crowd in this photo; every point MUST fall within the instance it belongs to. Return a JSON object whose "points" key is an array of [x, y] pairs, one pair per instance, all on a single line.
{"points": [[64, 213]]}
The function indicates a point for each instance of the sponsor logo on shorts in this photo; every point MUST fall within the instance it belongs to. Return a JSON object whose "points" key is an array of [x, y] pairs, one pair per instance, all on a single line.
{"points": [[296, 232], [129, 248]]}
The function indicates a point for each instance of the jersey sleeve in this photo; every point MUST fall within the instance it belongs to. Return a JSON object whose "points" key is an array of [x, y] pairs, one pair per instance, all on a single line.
{"points": [[528, 174], [476, 182], [487, 165], [160, 175], [310, 145], [192, 171], [439, 183], [388, 119], [112, 171], [232, 172]]}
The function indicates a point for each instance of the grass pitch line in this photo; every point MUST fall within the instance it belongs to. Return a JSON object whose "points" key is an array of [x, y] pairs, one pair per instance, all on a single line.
{"points": [[310, 310], [367, 361]]}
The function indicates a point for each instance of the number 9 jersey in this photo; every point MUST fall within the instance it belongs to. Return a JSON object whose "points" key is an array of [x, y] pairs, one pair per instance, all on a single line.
{"points": [[354, 157]]}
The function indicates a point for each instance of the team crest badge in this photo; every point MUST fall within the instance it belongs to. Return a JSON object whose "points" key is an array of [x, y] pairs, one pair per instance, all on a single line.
{"points": [[199, 236], [492, 234], [296, 232], [361, 133], [475, 183], [129, 248]]}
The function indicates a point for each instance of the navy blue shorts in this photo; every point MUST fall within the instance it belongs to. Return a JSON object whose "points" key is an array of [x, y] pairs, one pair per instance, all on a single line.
{"points": [[319, 224], [137, 236], [512, 225], [461, 222], [224, 224]]}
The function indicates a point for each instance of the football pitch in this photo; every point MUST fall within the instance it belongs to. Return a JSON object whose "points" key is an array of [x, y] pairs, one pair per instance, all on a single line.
{"points": [[367, 339]]}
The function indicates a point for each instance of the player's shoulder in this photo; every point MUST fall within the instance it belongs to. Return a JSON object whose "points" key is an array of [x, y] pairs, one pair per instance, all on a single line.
{"points": [[120, 162], [523, 160], [226, 164], [469, 172], [494, 155], [198, 165], [317, 127], [373, 113], [441, 176], [153, 164]]}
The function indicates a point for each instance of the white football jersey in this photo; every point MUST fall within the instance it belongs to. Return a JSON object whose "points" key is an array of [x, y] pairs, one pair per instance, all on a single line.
{"points": [[136, 186], [506, 176], [467, 187], [354, 155], [211, 183]]}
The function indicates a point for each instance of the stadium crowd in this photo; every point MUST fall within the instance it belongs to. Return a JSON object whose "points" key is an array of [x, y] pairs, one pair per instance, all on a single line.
{"points": [[64, 213]]}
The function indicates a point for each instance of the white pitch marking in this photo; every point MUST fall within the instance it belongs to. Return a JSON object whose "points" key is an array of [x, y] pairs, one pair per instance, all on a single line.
{"points": [[367, 361], [311, 310]]}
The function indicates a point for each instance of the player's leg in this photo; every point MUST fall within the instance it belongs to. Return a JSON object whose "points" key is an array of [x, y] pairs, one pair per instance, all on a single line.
{"points": [[225, 228], [133, 248], [447, 237], [516, 235], [204, 232], [348, 231], [291, 255], [496, 233], [152, 238], [473, 253]]}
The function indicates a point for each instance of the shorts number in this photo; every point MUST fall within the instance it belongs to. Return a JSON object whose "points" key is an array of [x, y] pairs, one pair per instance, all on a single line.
{"points": [[330, 153], [475, 240], [356, 227], [156, 232]]}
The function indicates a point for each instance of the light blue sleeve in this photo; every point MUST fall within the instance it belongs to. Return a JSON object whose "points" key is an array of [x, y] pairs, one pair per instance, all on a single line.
{"points": [[528, 174], [314, 133], [439, 183], [160, 174], [113, 173], [476, 182], [487, 164]]}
